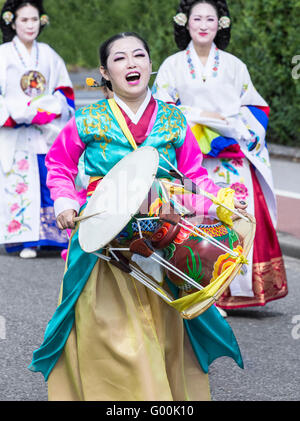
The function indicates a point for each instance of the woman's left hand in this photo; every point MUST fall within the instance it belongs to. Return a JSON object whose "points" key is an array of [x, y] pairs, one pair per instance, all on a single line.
{"points": [[240, 204]]}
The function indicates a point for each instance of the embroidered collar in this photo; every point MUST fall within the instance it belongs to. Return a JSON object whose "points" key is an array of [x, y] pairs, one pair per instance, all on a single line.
{"points": [[196, 66], [135, 118]]}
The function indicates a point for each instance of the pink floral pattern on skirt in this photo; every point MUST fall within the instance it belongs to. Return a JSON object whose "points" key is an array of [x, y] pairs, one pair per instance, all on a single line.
{"points": [[241, 191], [17, 188]]}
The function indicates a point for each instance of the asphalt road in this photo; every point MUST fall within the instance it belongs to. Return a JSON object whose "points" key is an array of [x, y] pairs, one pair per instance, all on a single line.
{"points": [[269, 336], [269, 339]]}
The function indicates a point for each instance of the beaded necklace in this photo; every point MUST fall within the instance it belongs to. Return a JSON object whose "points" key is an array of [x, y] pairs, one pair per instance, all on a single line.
{"points": [[21, 58], [214, 69]]}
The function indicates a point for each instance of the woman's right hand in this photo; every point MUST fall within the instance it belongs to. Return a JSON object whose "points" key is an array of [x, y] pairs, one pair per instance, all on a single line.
{"points": [[210, 114], [66, 219]]}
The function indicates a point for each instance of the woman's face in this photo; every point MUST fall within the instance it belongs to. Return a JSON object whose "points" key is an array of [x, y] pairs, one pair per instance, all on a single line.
{"points": [[128, 68], [27, 24], [203, 24]]}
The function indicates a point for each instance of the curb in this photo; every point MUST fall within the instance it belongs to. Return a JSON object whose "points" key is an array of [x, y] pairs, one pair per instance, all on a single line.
{"points": [[284, 152], [290, 245]]}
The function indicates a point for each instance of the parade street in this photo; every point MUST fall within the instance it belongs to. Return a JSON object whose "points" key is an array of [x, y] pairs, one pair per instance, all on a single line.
{"points": [[149, 206], [269, 337]]}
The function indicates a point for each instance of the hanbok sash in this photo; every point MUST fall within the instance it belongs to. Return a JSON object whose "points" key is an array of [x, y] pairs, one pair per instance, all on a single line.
{"points": [[122, 122]]}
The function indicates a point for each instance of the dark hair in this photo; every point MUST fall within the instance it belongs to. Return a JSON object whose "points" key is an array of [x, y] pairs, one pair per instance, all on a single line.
{"points": [[105, 49], [13, 6], [181, 33]]}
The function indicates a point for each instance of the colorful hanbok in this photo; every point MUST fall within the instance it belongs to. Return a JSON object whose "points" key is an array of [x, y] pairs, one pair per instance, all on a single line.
{"points": [[235, 155], [112, 338], [36, 101]]}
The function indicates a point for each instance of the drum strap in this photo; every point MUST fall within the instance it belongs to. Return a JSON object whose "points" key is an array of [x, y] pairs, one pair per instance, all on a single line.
{"points": [[122, 122]]}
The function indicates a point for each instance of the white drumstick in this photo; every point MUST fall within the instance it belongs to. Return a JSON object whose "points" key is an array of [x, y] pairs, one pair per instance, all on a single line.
{"points": [[83, 217], [200, 191]]}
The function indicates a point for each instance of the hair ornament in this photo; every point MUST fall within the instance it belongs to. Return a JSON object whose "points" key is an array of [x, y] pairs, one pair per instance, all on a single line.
{"points": [[92, 83], [224, 22], [8, 17], [180, 19], [44, 20]]}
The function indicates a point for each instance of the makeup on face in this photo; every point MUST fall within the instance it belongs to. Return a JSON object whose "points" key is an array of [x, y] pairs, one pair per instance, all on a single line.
{"points": [[203, 23], [27, 24], [132, 60], [128, 67]]}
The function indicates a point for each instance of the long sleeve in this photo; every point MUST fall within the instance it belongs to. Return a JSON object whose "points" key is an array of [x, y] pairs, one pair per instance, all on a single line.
{"points": [[189, 159], [59, 102], [254, 112], [63, 89], [40, 110], [62, 164], [48, 97], [164, 87], [4, 114]]}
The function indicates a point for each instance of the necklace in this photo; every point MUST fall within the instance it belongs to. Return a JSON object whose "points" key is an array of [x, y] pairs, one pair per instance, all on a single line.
{"points": [[203, 76], [21, 57], [33, 83]]}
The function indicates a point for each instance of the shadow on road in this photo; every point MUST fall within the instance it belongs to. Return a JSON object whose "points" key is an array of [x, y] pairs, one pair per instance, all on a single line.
{"points": [[252, 314]]}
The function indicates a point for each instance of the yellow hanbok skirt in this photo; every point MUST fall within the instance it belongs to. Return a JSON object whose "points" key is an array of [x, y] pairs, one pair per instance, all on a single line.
{"points": [[126, 344]]}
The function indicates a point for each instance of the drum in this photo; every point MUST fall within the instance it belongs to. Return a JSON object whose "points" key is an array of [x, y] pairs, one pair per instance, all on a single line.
{"points": [[128, 225], [117, 198], [193, 254]]}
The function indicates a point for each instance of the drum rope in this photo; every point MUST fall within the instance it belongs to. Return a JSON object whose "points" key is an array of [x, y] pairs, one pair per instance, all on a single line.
{"points": [[201, 191], [175, 270], [209, 238]]}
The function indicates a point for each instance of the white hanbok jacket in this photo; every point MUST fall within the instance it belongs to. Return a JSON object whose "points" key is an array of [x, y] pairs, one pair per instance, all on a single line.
{"points": [[224, 86], [31, 131]]}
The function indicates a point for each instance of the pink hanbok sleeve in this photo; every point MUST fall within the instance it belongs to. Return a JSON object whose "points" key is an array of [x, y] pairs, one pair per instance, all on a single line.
{"points": [[189, 162], [62, 164]]}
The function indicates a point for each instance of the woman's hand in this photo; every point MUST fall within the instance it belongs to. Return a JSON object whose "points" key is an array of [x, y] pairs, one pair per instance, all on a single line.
{"points": [[240, 206], [66, 219], [210, 114]]}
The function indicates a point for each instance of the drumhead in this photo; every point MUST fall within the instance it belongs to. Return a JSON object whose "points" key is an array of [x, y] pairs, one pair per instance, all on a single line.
{"points": [[118, 197]]}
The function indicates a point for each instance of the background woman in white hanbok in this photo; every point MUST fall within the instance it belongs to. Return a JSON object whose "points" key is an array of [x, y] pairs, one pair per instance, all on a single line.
{"points": [[229, 119], [36, 101]]}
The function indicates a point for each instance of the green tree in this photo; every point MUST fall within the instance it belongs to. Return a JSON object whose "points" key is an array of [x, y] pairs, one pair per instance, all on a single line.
{"points": [[265, 36]]}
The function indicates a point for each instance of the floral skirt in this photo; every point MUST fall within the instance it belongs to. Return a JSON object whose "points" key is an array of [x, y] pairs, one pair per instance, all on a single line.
{"points": [[27, 215], [264, 279]]}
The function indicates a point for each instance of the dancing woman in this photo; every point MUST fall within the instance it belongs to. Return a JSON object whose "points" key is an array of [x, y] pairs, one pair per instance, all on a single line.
{"points": [[111, 338]]}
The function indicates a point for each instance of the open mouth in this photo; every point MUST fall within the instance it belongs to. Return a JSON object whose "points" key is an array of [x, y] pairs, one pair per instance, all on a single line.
{"points": [[133, 77]]}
